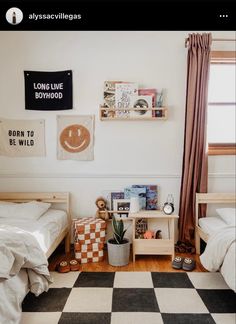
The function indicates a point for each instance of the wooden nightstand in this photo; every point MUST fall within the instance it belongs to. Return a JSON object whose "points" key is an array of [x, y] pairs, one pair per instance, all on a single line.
{"points": [[154, 246]]}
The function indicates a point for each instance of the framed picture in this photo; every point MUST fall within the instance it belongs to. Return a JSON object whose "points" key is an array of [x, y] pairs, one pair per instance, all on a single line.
{"points": [[122, 206]]}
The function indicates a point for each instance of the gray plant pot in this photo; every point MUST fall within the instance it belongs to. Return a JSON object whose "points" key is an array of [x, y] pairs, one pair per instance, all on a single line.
{"points": [[118, 254]]}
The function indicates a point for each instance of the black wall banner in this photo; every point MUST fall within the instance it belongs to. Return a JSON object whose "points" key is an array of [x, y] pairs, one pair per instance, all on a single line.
{"points": [[48, 90]]}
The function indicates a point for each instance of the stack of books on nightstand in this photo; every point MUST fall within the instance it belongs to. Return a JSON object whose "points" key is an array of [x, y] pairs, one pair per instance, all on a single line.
{"points": [[89, 238]]}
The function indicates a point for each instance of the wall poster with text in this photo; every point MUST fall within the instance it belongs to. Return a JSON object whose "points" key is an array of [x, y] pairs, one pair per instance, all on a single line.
{"points": [[22, 138], [48, 90]]}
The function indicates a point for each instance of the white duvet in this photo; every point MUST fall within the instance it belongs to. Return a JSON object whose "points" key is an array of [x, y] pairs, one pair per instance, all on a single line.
{"points": [[220, 254], [21, 261]]}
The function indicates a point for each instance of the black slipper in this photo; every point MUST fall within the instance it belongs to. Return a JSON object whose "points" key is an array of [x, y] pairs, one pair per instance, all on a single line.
{"points": [[177, 262], [188, 264]]}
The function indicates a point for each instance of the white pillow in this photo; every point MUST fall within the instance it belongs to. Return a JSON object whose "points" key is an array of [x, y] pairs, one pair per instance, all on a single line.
{"points": [[30, 210], [228, 215]]}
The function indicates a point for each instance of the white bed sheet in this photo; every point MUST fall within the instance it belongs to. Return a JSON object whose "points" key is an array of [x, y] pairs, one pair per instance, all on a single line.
{"points": [[12, 294], [219, 254], [45, 229], [211, 224], [228, 268]]}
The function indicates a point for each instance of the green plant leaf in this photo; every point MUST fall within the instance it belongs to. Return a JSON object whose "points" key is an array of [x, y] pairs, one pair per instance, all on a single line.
{"points": [[120, 227], [122, 238], [118, 230], [114, 224], [115, 229]]}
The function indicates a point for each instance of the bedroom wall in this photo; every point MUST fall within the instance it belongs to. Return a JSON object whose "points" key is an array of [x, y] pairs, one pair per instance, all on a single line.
{"points": [[126, 153]]}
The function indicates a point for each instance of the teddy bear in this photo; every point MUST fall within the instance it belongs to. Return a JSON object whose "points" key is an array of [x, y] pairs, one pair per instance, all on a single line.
{"points": [[102, 211]]}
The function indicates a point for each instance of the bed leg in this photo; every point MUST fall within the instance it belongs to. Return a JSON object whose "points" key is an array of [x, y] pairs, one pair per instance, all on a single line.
{"points": [[67, 243], [197, 242]]}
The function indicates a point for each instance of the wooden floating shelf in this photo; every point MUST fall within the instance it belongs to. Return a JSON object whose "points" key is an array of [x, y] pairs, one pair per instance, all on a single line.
{"points": [[108, 114]]}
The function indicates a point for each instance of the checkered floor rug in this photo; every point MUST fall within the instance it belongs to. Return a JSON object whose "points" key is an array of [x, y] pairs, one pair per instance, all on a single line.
{"points": [[132, 298]]}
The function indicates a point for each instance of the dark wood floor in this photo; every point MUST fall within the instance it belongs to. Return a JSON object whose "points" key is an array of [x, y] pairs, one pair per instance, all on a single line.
{"points": [[143, 262]]}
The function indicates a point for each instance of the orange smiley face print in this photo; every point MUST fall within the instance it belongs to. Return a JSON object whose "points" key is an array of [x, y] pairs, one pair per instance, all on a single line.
{"points": [[75, 138]]}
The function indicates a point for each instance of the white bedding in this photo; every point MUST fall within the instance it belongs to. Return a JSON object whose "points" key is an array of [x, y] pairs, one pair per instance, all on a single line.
{"points": [[19, 250], [42, 233], [45, 230], [10, 301], [220, 254], [211, 224]]}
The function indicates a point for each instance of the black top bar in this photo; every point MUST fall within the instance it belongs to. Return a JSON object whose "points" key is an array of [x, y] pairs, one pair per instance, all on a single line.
{"points": [[121, 15]]}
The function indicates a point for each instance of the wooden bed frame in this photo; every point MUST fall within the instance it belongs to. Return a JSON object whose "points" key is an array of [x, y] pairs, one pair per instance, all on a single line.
{"points": [[209, 198], [49, 197]]}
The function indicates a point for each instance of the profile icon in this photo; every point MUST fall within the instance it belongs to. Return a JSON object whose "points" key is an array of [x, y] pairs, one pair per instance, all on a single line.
{"points": [[14, 16]]}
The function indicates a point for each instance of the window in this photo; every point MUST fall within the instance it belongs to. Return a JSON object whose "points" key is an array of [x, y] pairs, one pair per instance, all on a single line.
{"points": [[221, 130]]}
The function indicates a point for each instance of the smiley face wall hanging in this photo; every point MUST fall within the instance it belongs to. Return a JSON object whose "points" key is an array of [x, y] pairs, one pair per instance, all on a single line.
{"points": [[75, 137]]}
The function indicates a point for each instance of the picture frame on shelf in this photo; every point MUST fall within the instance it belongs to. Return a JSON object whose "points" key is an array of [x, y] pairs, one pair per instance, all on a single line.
{"points": [[121, 205]]}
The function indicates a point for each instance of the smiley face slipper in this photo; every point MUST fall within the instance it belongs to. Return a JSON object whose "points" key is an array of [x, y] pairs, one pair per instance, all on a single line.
{"points": [[63, 267], [74, 265], [188, 264], [177, 262]]}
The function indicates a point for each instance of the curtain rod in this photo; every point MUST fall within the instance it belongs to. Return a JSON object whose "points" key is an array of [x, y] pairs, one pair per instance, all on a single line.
{"points": [[215, 40]]}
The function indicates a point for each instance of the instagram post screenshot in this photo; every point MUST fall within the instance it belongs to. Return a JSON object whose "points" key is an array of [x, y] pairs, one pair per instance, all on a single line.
{"points": [[117, 162]]}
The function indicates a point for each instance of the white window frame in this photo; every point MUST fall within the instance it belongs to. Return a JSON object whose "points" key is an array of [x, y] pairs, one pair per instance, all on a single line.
{"points": [[222, 57]]}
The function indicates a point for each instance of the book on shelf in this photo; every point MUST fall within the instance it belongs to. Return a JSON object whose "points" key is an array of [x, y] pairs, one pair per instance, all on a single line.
{"points": [[144, 102], [151, 196], [159, 103], [124, 93], [109, 94], [116, 195], [152, 93], [139, 192]]}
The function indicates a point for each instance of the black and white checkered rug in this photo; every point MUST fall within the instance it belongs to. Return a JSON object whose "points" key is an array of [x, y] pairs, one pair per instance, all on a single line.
{"points": [[132, 298]]}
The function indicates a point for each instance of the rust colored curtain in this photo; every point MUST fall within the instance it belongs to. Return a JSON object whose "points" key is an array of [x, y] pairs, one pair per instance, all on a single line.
{"points": [[195, 160]]}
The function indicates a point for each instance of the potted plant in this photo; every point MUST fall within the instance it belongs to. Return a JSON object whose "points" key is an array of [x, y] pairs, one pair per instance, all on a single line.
{"points": [[118, 247]]}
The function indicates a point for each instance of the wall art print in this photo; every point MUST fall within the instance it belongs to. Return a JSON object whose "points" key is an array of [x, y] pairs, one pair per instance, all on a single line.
{"points": [[75, 138], [22, 138], [48, 90]]}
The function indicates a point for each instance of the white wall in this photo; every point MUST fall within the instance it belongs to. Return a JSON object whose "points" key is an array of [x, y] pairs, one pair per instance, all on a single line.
{"points": [[127, 152]]}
